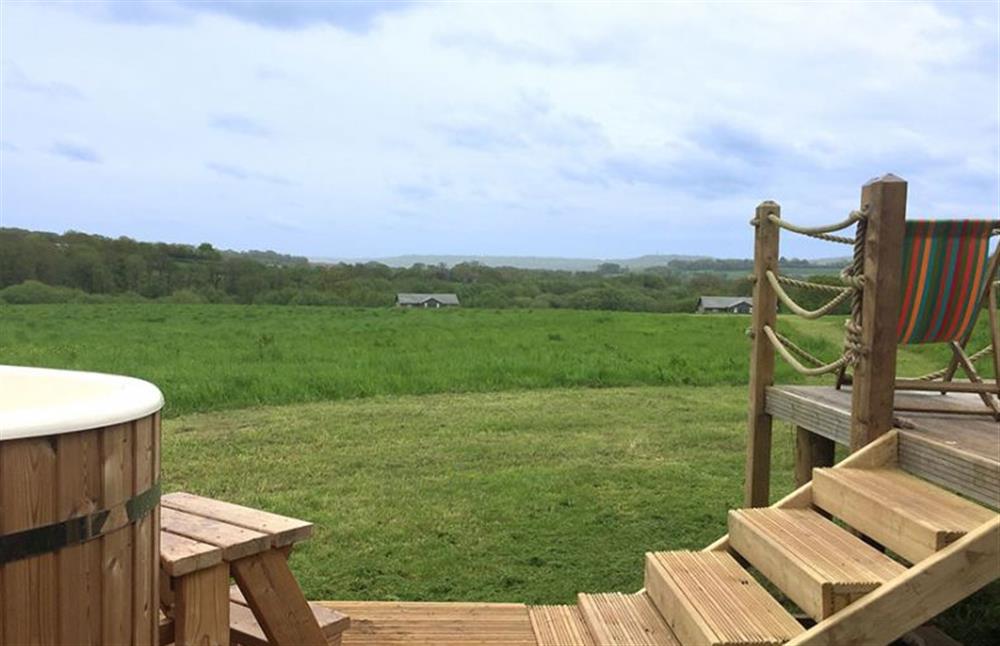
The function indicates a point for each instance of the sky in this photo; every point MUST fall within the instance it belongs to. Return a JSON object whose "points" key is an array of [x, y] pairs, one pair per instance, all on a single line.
{"points": [[574, 129]]}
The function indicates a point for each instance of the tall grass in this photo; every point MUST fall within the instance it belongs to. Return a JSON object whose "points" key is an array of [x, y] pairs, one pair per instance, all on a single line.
{"points": [[210, 357], [213, 357]]}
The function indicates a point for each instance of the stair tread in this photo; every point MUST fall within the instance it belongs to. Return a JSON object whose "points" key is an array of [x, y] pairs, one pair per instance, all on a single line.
{"points": [[717, 601], [830, 552], [560, 626], [911, 517], [817, 564], [617, 619], [920, 500]]}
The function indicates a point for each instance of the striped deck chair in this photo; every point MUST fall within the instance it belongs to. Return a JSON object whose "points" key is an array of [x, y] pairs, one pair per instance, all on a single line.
{"points": [[949, 277]]}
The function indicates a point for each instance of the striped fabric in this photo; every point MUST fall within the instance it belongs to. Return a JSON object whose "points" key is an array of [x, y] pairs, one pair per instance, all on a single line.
{"points": [[944, 278]]}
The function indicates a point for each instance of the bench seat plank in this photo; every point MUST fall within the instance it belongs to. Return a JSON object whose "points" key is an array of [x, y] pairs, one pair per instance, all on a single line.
{"points": [[282, 529], [180, 555], [235, 542]]}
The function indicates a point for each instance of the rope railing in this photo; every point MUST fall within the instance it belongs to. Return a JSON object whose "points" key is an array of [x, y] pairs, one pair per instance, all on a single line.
{"points": [[823, 232], [853, 283], [788, 350], [790, 303], [973, 358], [805, 284]]}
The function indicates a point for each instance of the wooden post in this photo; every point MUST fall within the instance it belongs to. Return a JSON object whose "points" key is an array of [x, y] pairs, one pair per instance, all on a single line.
{"points": [[875, 374], [811, 450], [765, 312]]}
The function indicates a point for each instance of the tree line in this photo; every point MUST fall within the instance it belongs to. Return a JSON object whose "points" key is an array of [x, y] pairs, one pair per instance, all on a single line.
{"points": [[42, 267]]}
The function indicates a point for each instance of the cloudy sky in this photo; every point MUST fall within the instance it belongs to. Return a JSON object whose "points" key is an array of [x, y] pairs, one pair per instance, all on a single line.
{"points": [[597, 129]]}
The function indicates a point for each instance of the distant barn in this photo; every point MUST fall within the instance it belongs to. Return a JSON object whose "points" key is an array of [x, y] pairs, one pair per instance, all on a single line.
{"points": [[427, 300], [725, 305]]}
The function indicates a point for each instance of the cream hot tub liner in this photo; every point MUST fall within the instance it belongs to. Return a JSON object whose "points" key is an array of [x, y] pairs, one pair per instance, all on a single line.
{"points": [[41, 401]]}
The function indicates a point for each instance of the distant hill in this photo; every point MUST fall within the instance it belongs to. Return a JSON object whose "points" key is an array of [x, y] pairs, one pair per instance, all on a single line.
{"points": [[564, 264], [520, 262]]}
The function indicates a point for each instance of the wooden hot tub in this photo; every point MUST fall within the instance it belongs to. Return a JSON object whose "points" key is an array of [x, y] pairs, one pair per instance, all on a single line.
{"points": [[79, 507]]}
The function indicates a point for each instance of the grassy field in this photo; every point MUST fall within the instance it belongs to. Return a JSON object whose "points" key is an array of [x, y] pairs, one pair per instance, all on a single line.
{"points": [[508, 455], [529, 496], [520, 496], [216, 357]]}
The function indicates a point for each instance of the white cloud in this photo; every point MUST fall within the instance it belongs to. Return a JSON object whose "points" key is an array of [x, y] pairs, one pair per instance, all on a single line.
{"points": [[601, 129]]}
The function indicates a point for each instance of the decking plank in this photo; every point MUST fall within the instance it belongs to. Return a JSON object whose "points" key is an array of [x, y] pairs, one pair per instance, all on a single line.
{"points": [[960, 452], [388, 623]]}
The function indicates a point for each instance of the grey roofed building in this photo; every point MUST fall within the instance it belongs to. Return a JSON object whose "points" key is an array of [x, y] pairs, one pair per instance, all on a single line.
{"points": [[427, 300], [729, 304]]}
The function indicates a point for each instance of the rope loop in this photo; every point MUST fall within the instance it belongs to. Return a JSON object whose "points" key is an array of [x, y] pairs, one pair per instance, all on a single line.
{"points": [[818, 287], [789, 350], [823, 310]]}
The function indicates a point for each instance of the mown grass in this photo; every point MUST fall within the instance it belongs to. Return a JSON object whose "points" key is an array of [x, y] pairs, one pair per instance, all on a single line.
{"points": [[521, 496]]}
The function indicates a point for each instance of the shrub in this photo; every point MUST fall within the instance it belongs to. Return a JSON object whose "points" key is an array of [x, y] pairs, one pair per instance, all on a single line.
{"points": [[32, 291]]}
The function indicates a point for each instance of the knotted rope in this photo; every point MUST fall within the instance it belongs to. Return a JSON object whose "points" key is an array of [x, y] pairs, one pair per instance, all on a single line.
{"points": [[853, 280]]}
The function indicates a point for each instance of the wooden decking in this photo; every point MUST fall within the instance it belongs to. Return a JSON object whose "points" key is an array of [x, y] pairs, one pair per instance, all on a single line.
{"points": [[957, 450], [429, 624]]}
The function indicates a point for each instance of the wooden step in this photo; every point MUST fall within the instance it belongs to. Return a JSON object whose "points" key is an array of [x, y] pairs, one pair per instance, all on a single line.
{"points": [[707, 598], [909, 516], [617, 619], [560, 626], [820, 566]]}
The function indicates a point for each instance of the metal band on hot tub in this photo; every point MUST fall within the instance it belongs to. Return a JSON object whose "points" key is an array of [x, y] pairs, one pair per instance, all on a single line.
{"points": [[50, 538]]}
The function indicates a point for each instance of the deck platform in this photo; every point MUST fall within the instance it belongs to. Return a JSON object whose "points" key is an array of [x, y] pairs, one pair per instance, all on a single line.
{"points": [[431, 624], [958, 450]]}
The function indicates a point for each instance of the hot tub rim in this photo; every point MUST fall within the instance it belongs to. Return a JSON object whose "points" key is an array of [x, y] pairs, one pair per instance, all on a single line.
{"points": [[127, 399]]}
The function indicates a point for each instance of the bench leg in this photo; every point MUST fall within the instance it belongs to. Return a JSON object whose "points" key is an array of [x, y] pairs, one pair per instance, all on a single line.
{"points": [[201, 607], [277, 601]]}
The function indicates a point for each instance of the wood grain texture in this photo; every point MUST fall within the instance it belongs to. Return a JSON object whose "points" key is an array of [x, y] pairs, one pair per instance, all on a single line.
{"points": [[617, 619], [85, 593], [820, 566], [235, 542], [909, 516], [79, 467], [765, 313], [875, 374], [30, 594], [960, 453], [707, 598], [245, 630], [201, 607], [282, 529], [560, 626], [277, 602], [811, 450], [117, 465], [880, 453], [398, 623], [180, 555], [925, 591], [145, 556]]}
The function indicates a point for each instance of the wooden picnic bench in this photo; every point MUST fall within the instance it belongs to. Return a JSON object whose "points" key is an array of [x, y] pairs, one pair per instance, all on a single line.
{"points": [[204, 542]]}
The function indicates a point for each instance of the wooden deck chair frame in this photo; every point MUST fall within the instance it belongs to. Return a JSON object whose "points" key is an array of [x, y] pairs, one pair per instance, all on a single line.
{"points": [[988, 391]]}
